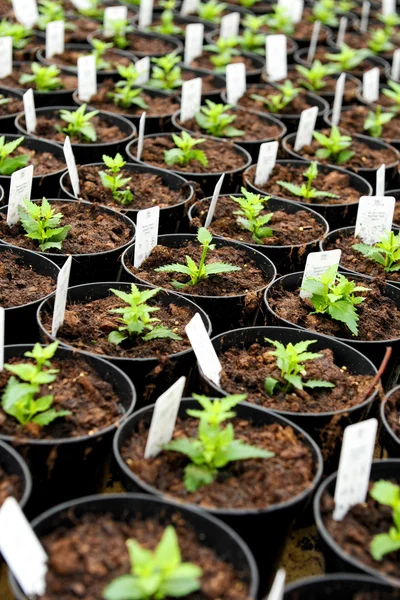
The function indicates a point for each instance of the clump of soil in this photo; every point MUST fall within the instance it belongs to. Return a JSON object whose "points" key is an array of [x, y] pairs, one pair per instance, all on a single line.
{"points": [[352, 119], [69, 82], [392, 412], [44, 162], [204, 62], [147, 46], [69, 58], [296, 106], [86, 557], [10, 485], [92, 230], [19, 283], [13, 106]]}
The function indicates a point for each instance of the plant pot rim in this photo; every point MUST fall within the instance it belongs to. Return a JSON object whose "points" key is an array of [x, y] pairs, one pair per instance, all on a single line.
{"points": [[328, 115], [255, 70], [331, 578], [213, 35], [349, 77], [330, 42], [26, 474], [14, 93], [386, 425], [22, 90], [178, 46], [372, 57], [29, 140]]}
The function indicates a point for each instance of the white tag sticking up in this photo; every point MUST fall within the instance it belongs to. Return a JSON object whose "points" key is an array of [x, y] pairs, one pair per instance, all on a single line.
{"points": [[371, 85], [297, 11], [388, 7], [203, 348], [211, 210], [374, 217], [2, 331], [380, 181], [190, 98], [276, 57], [87, 77], [29, 111], [365, 10], [142, 127], [314, 41], [341, 31], [266, 162], [26, 12], [317, 263], [54, 38], [230, 25], [6, 53], [193, 42], [278, 586], [71, 164], [60, 301], [143, 69], [306, 128], [81, 4], [146, 233], [145, 13], [235, 82], [113, 14], [395, 73], [189, 7], [20, 188], [337, 104]]}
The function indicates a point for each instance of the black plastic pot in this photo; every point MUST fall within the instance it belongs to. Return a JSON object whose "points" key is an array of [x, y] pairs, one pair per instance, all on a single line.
{"points": [[390, 440], [331, 42], [248, 523], [66, 468], [225, 312], [335, 214], [252, 75], [171, 217], [99, 266], [94, 151], [151, 376], [211, 532], [38, 39], [178, 21], [336, 559], [361, 100], [7, 121], [207, 181], [374, 350], [396, 195], [285, 258], [337, 585], [176, 44], [14, 464], [218, 81]]}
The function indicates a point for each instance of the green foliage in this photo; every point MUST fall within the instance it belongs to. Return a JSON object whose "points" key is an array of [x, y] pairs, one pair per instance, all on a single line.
{"points": [[157, 574], [277, 102], [222, 52], [93, 11], [119, 30], [345, 6], [379, 42], [348, 58], [129, 74], [375, 121], [252, 40], [324, 14], [99, 50], [78, 123], [248, 3], [211, 10], [167, 26], [136, 318], [390, 21], [250, 217], [313, 78], [387, 493], [290, 360], [126, 96], [4, 100], [41, 222], [113, 180], [306, 190], [334, 295], [185, 150], [166, 74], [43, 79], [21, 36], [216, 121], [386, 252], [9, 164], [335, 147], [202, 271], [214, 447], [393, 93], [20, 395], [49, 11], [279, 20]]}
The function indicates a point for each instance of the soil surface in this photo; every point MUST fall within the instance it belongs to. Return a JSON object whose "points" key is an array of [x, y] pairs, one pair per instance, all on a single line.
{"points": [[208, 84], [14, 105], [19, 283], [244, 371], [106, 232], [350, 86], [365, 65], [143, 45], [85, 558], [44, 162], [392, 413], [383, 100], [83, 26], [5, 8], [69, 82], [92, 401], [252, 484], [204, 62], [358, 41], [303, 32], [69, 58], [352, 120], [295, 107], [10, 485]]}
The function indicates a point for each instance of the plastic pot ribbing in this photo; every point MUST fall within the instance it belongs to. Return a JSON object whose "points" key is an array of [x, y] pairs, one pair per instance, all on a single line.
{"points": [[390, 440]]}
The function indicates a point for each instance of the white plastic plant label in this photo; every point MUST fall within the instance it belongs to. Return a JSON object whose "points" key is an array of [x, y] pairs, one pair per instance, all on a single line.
{"points": [[29, 110], [314, 41], [380, 181], [87, 77], [6, 53], [203, 348], [306, 127], [164, 418], [395, 73], [113, 14], [54, 38], [341, 31], [146, 233], [142, 127], [2, 331], [297, 11], [211, 210], [388, 7], [230, 25], [276, 57], [370, 89], [22, 550], [190, 98], [71, 164], [337, 104], [26, 12], [143, 70], [145, 13], [189, 7], [354, 466], [374, 217], [81, 4], [60, 301], [235, 82], [193, 42], [20, 188], [278, 587], [266, 162], [365, 10], [317, 263]]}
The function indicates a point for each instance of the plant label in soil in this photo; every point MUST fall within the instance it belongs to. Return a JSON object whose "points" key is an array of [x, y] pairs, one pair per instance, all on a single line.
{"points": [[190, 98], [142, 127], [306, 127], [314, 41], [235, 82], [211, 210], [145, 13], [82, 4], [20, 188], [317, 263], [203, 348], [71, 164], [113, 14], [341, 32], [6, 54], [365, 9], [337, 104], [2, 326], [380, 181], [143, 70], [164, 418], [388, 7], [29, 110], [374, 217], [189, 7], [54, 38], [60, 301], [22, 550], [87, 77], [276, 57], [395, 73], [193, 42], [26, 12], [278, 587], [370, 90], [354, 466], [146, 233], [266, 162], [230, 25], [294, 8]]}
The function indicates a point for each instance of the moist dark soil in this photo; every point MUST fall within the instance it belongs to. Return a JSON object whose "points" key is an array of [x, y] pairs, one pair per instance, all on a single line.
{"points": [[383, 100], [355, 261], [303, 32], [379, 317], [393, 413], [87, 326], [333, 182], [77, 388], [68, 82], [204, 62], [148, 190], [249, 278], [356, 531], [5, 8], [298, 104], [92, 230], [19, 283], [249, 484], [69, 58], [86, 557], [358, 41], [10, 485], [350, 86], [29, 52], [289, 229], [83, 27], [396, 216], [44, 162], [221, 156], [207, 80], [14, 105], [352, 120], [144, 45], [365, 65], [245, 370]]}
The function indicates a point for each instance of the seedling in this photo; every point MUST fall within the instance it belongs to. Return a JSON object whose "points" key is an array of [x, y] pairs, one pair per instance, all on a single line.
{"points": [[248, 3], [291, 361], [222, 52], [214, 447], [157, 574], [136, 318], [250, 217], [93, 11], [275, 103], [390, 21], [119, 30], [334, 295], [379, 42], [20, 395], [348, 58], [201, 271], [334, 147], [167, 26], [44, 79], [345, 6], [9, 164], [305, 190], [113, 180], [21, 36], [386, 252], [279, 20], [375, 121], [166, 74], [216, 121], [129, 74], [393, 93], [211, 10], [99, 50], [185, 150], [313, 78], [40, 222], [251, 39], [52, 11], [4, 100], [388, 494], [126, 96], [78, 123], [324, 14]]}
